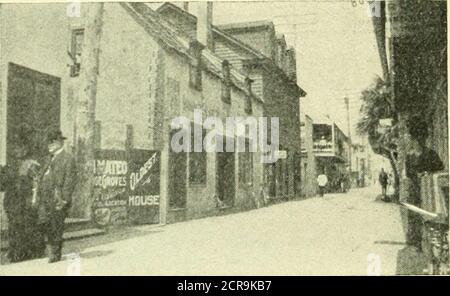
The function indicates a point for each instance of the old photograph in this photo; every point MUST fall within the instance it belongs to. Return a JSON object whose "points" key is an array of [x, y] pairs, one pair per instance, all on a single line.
{"points": [[234, 138]]}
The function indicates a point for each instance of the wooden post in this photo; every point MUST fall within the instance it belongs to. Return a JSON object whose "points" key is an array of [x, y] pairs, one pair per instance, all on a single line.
{"points": [[85, 117], [98, 134], [2, 150], [164, 180], [129, 141]]}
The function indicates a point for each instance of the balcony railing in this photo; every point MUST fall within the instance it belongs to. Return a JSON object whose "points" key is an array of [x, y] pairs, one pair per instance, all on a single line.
{"points": [[323, 147]]}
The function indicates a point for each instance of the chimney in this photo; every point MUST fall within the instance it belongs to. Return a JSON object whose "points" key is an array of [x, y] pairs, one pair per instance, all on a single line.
{"points": [[291, 67], [204, 23]]}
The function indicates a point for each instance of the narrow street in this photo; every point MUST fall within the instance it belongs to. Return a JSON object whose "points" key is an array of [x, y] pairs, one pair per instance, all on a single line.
{"points": [[339, 234]]}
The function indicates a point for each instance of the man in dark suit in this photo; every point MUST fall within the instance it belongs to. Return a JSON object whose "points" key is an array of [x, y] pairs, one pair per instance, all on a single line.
{"points": [[18, 179], [383, 179], [55, 194]]}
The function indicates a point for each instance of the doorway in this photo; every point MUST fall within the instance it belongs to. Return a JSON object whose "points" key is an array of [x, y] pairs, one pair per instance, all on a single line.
{"points": [[33, 106], [177, 177], [225, 177]]}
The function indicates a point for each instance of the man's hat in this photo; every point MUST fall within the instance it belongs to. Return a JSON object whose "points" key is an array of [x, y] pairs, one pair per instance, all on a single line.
{"points": [[55, 135]]}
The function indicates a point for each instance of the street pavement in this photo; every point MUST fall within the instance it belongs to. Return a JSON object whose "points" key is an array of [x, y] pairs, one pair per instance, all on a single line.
{"points": [[340, 234]]}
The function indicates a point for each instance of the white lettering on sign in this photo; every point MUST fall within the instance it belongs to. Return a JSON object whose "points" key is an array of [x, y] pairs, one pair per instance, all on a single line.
{"points": [[143, 200], [114, 203], [136, 177], [111, 167], [111, 195], [110, 181]]}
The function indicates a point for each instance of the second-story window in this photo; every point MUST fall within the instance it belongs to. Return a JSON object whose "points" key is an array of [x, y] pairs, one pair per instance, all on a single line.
{"points": [[75, 51]]}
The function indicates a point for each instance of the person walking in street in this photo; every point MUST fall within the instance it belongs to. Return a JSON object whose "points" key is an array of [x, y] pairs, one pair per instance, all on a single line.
{"points": [[55, 194], [18, 180], [390, 192], [383, 179], [322, 181], [342, 183]]}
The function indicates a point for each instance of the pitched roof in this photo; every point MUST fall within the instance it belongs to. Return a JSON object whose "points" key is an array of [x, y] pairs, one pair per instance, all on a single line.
{"points": [[167, 6], [167, 36], [248, 26], [173, 39], [170, 6], [257, 54], [224, 32]]}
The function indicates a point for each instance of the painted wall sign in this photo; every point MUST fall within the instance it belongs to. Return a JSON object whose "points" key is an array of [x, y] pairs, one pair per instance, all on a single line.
{"points": [[126, 187], [110, 187], [143, 186]]}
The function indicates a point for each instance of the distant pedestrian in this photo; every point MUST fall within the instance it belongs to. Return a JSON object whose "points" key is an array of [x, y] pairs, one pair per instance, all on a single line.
{"points": [[390, 192], [343, 183], [55, 194], [383, 179], [322, 181]]}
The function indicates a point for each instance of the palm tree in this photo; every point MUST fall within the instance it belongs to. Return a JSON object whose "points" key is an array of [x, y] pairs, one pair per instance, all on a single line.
{"points": [[377, 105]]}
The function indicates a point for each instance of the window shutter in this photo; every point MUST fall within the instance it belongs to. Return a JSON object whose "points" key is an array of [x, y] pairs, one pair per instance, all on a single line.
{"points": [[75, 51], [248, 97], [226, 82]]}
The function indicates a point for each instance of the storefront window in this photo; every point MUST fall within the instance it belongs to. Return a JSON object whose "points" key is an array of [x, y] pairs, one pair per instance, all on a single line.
{"points": [[75, 51]]}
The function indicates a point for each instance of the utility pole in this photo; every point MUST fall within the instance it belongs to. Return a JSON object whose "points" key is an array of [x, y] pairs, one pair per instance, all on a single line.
{"points": [[85, 117], [347, 107]]}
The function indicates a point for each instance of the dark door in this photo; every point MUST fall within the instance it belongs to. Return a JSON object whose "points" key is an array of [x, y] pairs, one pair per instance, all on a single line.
{"points": [[270, 179], [225, 177], [33, 106], [177, 178]]}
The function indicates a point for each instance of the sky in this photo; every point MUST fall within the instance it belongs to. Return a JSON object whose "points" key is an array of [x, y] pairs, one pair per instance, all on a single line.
{"points": [[335, 45], [336, 49]]}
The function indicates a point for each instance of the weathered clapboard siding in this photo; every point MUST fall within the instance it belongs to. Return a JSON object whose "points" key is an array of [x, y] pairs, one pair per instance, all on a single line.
{"points": [[257, 85], [261, 40], [236, 56], [233, 55]]}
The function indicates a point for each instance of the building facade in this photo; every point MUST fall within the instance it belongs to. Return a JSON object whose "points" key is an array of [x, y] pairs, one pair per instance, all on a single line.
{"points": [[255, 50], [361, 165], [150, 74], [331, 148], [308, 160], [412, 41]]}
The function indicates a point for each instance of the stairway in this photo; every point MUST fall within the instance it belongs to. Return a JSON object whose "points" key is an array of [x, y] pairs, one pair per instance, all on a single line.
{"points": [[75, 228], [78, 228]]}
